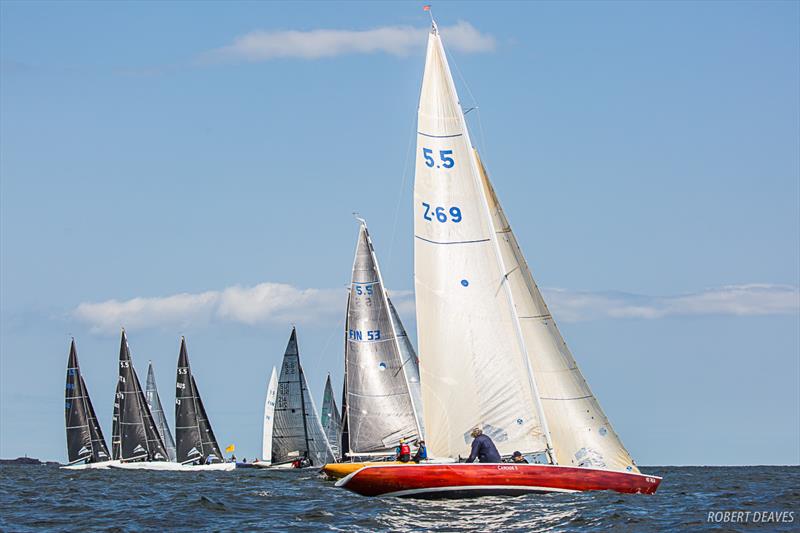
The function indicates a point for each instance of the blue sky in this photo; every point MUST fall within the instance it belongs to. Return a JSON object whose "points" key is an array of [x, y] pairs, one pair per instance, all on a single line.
{"points": [[191, 169]]}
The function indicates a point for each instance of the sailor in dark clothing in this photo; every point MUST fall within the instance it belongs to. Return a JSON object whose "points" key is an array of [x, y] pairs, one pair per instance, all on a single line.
{"points": [[517, 457], [483, 448]]}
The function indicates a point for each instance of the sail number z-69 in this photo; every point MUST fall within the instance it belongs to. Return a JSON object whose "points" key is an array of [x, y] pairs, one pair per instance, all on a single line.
{"points": [[445, 161], [441, 213]]}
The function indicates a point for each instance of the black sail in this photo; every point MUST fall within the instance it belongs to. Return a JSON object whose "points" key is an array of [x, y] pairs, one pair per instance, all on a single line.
{"points": [[139, 439], [84, 437], [195, 440]]}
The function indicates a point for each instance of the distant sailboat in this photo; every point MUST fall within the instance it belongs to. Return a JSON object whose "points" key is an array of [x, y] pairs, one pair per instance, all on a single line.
{"points": [[86, 447], [136, 442], [269, 421], [331, 419], [297, 432], [154, 402], [493, 357], [196, 444], [381, 399]]}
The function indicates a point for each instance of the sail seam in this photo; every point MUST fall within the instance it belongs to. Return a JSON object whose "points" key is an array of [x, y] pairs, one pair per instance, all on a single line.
{"points": [[440, 136], [452, 242]]}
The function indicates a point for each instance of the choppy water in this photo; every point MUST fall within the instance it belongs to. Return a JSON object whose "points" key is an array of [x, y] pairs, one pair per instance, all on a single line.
{"points": [[45, 497]]}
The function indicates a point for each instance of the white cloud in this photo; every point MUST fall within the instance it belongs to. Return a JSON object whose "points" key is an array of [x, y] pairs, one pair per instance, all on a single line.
{"points": [[263, 45], [737, 300], [281, 303]]}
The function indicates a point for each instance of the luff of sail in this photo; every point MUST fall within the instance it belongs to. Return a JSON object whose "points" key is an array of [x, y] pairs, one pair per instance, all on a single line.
{"points": [[269, 417], [581, 432], [297, 431], [156, 409], [85, 440], [380, 408], [136, 437], [195, 440], [331, 419], [474, 369]]}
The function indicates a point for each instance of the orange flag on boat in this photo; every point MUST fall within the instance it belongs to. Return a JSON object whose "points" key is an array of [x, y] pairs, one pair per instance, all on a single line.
{"points": [[230, 448], [426, 8]]}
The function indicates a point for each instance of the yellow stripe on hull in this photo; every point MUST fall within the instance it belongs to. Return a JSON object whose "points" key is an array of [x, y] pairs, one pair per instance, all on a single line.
{"points": [[340, 470]]}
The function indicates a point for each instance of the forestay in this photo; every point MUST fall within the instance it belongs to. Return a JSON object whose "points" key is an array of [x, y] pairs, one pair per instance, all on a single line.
{"points": [[195, 438], [380, 408], [269, 417], [580, 430], [85, 440], [474, 368], [156, 409]]}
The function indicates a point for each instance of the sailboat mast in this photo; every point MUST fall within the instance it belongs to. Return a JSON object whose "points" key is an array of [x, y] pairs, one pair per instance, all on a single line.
{"points": [[517, 326], [420, 436]]}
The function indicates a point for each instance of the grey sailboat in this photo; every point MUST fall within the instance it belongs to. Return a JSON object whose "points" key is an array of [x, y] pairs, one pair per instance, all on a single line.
{"points": [[154, 402], [297, 433], [381, 398]]}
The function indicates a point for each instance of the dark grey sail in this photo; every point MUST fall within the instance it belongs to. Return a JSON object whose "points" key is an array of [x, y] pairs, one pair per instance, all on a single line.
{"points": [[297, 432], [331, 419], [195, 440], [380, 406], [138, 437], [85, 442], [154, 402]]}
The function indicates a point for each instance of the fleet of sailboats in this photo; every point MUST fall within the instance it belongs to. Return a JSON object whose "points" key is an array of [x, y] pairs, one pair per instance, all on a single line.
{"points": [[493, 359]]}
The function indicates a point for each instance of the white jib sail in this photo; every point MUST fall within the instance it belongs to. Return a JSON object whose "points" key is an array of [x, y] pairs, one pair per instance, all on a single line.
{"points": [[269, 417], [473, 368], [580, 430]]}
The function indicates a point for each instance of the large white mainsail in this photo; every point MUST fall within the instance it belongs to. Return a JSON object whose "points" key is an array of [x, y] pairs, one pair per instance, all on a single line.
{"points": [[475, 371], [269, 417], [581, 432]]}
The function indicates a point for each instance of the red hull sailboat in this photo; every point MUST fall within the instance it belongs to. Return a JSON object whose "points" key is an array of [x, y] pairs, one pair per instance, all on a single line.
{"points": [[492, 359], [459, 480]]}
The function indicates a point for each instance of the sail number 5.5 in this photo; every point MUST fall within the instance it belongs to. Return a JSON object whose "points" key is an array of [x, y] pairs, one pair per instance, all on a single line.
{"points": [[441, 213], [445, 161]]}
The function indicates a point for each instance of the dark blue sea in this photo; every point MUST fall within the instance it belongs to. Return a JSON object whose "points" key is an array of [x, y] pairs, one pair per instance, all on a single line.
{"points": [[35, 498]]}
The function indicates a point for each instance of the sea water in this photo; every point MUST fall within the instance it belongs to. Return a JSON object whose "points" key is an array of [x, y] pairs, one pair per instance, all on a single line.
{"points": [[36, 498]]}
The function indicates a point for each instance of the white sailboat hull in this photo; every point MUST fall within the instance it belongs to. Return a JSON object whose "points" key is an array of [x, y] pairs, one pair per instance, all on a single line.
{"points": [[174, 467], [103, 465]]}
